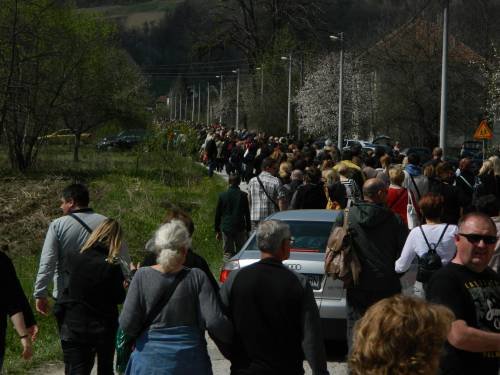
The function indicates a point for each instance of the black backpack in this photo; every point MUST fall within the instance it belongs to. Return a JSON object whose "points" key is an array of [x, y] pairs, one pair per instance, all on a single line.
{"points": [[430, 262]]}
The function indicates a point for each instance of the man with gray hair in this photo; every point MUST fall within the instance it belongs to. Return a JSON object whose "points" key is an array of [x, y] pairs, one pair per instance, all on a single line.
{"points": [[378, 238], [274, 314]]}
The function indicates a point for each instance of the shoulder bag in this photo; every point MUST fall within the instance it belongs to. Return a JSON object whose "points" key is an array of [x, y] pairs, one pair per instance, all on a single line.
{"points": [[267, 194], [430, 262], [341, 261]]}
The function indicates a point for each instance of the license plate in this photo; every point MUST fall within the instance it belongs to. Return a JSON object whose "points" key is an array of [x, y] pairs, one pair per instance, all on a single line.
{"points": [[314, 280]]}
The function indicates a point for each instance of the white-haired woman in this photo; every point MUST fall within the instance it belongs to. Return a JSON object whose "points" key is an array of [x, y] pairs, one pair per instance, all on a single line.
{"points": [[168, 307]]}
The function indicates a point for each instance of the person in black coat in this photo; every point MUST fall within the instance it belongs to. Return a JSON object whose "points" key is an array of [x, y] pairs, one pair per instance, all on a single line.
{"points": [[15, 305], [87, 312], [311, 194]]}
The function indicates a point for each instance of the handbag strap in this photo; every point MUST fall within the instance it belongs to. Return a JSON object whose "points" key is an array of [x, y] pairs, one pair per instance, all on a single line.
{"points": [[267, 194], [82, 223], [345, 225], [439, 240], [164, 298], [416, 187]]}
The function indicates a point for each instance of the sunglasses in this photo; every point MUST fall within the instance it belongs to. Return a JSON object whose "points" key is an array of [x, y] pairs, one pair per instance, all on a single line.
{"points": [[476, 238]]}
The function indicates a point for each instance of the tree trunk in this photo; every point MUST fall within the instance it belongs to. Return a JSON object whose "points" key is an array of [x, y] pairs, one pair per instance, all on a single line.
{"points": [[77, 147]]}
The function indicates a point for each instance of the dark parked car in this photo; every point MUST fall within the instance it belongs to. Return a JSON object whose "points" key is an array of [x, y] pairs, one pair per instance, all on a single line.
{"points": [[124, 140]]}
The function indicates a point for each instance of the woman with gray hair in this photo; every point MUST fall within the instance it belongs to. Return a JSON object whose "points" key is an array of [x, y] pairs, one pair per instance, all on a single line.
{"points": [[168, 307]]}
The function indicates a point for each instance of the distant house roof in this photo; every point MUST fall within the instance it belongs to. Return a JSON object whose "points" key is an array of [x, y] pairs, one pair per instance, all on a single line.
{"points": [[420, 38]]}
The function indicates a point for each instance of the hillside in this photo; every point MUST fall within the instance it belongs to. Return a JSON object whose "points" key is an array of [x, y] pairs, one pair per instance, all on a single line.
{"points": [[134, 13]]}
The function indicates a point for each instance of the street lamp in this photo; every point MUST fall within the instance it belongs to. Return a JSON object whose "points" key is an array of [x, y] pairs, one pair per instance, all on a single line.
{"points": [[443, 118], [289, 113], [340, 38], [208, 103], [220, 97], [261, 69], [199, 101], [237, 72], [192, 109]]}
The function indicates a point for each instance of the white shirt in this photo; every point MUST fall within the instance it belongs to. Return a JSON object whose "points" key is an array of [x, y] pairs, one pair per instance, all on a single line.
{"points": [[416, 245]]}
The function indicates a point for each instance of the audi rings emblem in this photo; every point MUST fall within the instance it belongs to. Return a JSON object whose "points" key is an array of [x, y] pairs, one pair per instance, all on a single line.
{"points": [[295, 267]]}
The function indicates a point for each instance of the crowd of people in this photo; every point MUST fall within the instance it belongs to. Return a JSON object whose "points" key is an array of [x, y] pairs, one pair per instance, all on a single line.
{"points": [[264, 318]]}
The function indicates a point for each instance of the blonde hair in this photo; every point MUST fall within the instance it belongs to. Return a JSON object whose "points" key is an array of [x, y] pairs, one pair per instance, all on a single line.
{"points": [[330, 176], [396, 175], [171, 243], [285, 169], [496, 164], [486, 168], [400, 335], [109, 233]]}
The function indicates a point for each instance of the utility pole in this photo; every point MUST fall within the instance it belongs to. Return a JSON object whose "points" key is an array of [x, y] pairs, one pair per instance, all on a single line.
{"points": [[443, 119], [237, 71], [340, 38], [289, 113]]}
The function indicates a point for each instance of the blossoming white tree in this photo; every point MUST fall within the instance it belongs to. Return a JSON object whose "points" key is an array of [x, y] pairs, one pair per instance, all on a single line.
{"points": [[317, 100]]}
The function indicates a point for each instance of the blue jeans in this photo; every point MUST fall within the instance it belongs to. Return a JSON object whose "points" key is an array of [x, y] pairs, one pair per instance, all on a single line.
{"points": [[170, 351]]}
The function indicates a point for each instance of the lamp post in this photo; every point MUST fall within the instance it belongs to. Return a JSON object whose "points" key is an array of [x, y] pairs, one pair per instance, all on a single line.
{"points": [[289, 113], [175, 107], [192, 109], [443, 118], [220, 97], [199, 101], [208, 103], [261, 69], [237, 72], [180, 107], [340, 38]]}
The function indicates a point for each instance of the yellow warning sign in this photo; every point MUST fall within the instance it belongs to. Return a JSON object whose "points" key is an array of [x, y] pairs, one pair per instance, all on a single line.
{"points": [[483, 131]]}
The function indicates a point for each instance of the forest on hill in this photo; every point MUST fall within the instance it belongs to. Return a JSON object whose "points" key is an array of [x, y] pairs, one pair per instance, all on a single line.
{"points": [[198, 40]]}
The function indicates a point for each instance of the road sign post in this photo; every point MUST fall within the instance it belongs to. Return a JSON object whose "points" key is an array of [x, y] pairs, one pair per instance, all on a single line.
{"points": [[483, 132]]}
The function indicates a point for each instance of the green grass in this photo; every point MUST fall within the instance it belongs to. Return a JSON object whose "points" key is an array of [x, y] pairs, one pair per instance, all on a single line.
{"points": [[135, 188]]}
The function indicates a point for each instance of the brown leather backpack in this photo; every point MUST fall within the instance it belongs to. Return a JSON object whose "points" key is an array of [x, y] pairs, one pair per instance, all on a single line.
{"points": [[341, 261]]}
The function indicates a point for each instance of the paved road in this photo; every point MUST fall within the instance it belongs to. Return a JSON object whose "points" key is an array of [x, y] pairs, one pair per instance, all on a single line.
{"points": [[220, 365]]}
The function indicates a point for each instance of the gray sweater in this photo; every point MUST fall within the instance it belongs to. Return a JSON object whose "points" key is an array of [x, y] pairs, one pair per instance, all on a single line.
{"points": [[65, 235], [194, 303]]}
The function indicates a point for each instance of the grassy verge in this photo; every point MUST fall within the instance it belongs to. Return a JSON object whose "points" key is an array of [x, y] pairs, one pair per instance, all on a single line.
{"points": [[135, 188]]}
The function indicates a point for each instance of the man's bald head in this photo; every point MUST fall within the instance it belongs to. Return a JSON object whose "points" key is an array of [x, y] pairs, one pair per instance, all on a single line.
{"points": [[375, 190]]}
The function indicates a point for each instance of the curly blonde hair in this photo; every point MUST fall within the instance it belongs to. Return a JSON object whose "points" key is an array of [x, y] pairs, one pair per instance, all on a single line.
{"points": [[400, 335]]}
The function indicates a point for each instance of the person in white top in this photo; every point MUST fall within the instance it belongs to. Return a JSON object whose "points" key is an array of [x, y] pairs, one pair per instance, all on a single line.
{"points": [[431, 206]]}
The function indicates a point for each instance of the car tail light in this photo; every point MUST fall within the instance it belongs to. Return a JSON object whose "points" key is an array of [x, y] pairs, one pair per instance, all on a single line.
{"points": [[227, 268]]}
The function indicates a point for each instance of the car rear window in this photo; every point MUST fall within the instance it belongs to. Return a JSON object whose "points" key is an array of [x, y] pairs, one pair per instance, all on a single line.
{"points": [[308, 236]]}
